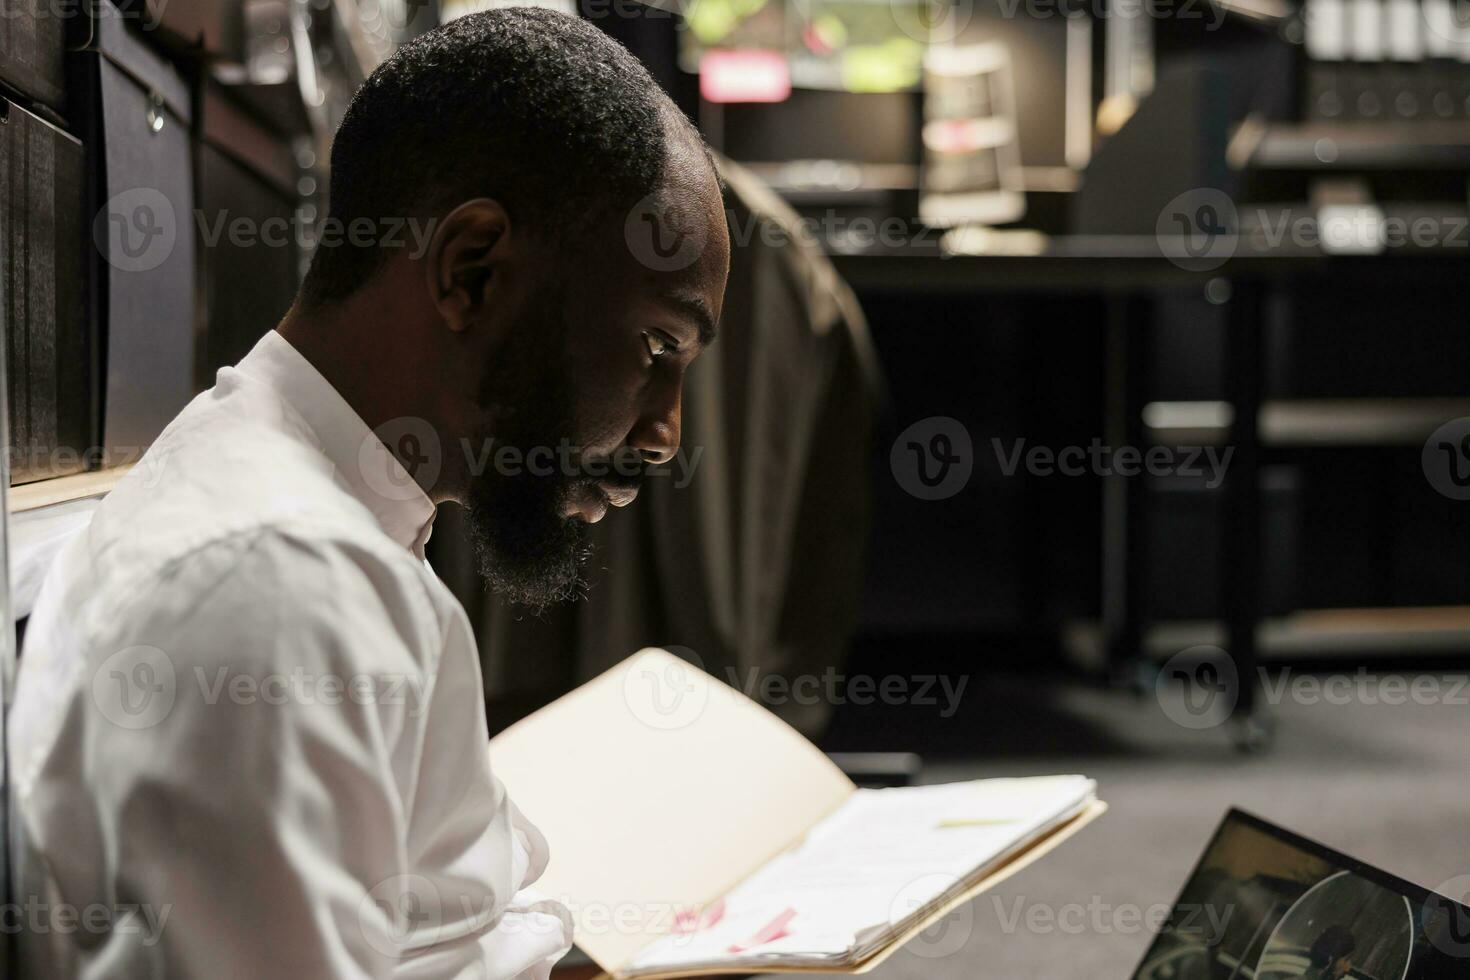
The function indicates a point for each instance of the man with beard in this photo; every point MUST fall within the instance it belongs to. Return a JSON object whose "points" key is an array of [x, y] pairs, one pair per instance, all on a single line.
{"points": [[249, 734]]}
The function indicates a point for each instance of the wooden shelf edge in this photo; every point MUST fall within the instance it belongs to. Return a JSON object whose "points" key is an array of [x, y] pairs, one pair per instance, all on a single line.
{"points": [[48, 493]]}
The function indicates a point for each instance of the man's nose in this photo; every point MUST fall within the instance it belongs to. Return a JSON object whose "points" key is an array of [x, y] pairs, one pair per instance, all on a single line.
{"points": [[656, 436]]}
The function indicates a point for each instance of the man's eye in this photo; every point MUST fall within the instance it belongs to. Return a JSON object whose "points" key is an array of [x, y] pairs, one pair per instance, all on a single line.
{"points": [[658, 346]]}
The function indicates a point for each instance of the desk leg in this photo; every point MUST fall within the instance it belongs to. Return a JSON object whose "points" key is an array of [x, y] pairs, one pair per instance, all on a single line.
{"points": [[1125, 531], [1241, 548]]}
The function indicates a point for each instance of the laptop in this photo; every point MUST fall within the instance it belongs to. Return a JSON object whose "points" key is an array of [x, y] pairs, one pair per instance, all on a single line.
{"points": [[1266, 904]]}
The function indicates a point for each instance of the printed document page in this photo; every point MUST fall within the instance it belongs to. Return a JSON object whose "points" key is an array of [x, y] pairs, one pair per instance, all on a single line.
{"points": [[863, 873]]}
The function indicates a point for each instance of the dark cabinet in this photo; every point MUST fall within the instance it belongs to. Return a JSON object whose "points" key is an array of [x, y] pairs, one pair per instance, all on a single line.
{"points": [[43, 297], [33, 50], [144, 232]]}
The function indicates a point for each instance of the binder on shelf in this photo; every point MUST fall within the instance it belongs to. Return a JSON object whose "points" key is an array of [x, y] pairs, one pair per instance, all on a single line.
{"points": [[143, 235], [43, 298]]}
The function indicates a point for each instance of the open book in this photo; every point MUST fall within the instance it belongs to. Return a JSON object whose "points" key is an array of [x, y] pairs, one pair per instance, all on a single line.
{"points": [[693, 833]]}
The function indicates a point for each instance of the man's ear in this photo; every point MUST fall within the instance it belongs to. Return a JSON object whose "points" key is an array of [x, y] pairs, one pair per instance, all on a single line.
{"points": [[462, 257]]}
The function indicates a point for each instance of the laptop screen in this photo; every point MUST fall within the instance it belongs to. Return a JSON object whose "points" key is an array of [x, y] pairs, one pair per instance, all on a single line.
{"points": [[1265, 904]]}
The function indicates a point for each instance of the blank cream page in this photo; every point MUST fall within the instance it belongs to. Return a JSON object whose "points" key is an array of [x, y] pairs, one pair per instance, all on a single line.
{"points": [[658, 789]]}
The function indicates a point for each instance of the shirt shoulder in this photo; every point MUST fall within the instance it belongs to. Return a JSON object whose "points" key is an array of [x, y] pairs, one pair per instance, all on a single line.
{"points": [[290, 589]]}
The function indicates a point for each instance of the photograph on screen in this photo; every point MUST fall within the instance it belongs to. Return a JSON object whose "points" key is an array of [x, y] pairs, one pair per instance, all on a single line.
{"points": [[1264, 904]]}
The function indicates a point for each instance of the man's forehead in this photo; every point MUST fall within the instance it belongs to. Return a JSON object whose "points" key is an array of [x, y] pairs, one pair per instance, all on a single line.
{"points": [[677, 238]]}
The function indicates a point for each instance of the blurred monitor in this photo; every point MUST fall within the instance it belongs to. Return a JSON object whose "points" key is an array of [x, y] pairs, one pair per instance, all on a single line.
{"points": [[871, 128], [850, 45]]}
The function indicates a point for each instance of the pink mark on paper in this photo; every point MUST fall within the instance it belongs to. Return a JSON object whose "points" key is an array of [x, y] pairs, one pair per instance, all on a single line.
{"points": [[768, 933], [691, 920]]}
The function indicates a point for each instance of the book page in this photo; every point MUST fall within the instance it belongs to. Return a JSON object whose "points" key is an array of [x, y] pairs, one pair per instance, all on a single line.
{"points": [[658, 789], [877, 863]]}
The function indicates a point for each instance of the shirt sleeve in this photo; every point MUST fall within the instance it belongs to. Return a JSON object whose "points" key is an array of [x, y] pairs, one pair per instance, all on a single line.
{"points": [[268, 816]]}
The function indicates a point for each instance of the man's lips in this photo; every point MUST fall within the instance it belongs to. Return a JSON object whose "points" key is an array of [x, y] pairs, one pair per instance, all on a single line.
{"points": [[591, 500], [618, 496]]}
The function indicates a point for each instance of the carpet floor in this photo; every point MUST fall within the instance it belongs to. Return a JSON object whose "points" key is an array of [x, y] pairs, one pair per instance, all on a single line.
{"points": [[1386, 782]]}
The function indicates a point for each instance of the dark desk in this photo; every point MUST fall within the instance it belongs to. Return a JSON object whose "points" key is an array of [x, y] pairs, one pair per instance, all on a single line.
{"points": [[1129, 272]]}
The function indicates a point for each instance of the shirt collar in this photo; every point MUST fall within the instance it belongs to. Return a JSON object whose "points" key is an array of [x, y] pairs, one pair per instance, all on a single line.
{"points": [[364, 465]]}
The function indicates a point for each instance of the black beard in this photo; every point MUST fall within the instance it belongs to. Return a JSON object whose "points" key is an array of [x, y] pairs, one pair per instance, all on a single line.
{"points": [[528, 551]]}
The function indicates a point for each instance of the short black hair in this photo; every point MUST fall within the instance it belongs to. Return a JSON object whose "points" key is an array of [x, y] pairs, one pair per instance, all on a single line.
{"points": [[540, 110]]}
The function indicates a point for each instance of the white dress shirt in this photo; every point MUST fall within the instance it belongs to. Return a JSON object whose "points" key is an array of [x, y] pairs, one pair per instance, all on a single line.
{"points": [[249, 735]]}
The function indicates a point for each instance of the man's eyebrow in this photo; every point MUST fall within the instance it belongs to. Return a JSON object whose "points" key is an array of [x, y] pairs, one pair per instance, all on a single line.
{"points": [[697, 310]]}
